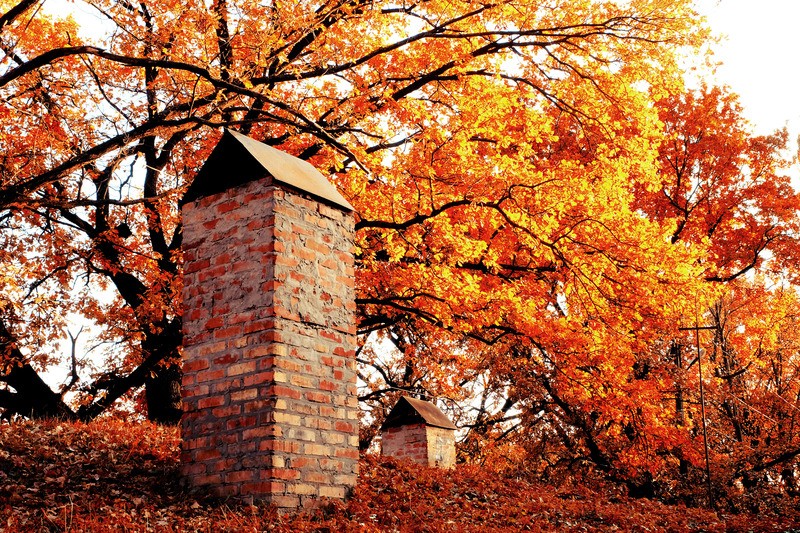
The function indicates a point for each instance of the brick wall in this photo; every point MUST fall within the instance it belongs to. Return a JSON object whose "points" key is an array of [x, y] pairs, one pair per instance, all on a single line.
{"points": [[420, 443], [441, 447], [270, 408], [408, 442]]}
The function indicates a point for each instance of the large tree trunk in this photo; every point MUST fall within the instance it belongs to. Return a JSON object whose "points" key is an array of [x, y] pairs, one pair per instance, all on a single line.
{"points": [[32, 398], [163, 393]]}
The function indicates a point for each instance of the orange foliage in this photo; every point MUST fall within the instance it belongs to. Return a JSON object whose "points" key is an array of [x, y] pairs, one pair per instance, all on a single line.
{"points": [[542, 212]]}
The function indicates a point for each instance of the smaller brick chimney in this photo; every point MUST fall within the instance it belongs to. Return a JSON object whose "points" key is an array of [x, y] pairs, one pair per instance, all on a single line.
{"points": [[420, 432]]}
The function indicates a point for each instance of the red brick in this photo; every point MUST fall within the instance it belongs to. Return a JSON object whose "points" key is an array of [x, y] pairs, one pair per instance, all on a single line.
{"points": [[259, 325], [331, 336], [260, 352], [196, 315], [224, 412], [285, 500], [240, 267], [264, 487], [211, 401], [283, 473], [237, 318], [282, 391], [262, 431], [195, 365], [258, 379], [347, 453], [257, 224], [319, 248], [319, 397], [344, 426], [333, 465], [239, 476], [285, 363], [240, 422], [211, 349], [226, 359], [316, 477], [327, 385], [213, 479], [226, 207], [270, 336], [241, 450], [340, 351], [195, 266], [304, 462], [280, 446], [300, 380], [226, 333], [190, 468], [286, 261], [210, 375], [205, 455], [243, 394], [260, 196], [259, 406], [223, 259], [320, 423], [211, 273], [241, 368]]}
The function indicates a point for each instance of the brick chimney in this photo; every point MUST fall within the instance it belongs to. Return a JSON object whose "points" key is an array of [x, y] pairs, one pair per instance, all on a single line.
{"points": [[269, 383], [419, 431]]}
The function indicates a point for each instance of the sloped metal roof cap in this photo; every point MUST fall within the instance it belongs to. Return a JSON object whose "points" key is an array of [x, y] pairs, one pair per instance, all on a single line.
{"points": [[413, 411], [238, 159]]}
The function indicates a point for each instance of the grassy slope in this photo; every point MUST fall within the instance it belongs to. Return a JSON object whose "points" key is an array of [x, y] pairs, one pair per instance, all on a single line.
{"points": [[113, 476]]}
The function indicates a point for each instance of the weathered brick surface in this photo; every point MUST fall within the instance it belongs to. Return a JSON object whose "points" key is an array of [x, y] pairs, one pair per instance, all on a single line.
{"points": [[420, 443], [441, 447], [269, 375], [406, 442]]}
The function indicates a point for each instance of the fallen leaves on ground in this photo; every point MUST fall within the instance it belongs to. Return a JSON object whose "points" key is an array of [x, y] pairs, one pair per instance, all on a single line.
{"points": [[112, 475]]}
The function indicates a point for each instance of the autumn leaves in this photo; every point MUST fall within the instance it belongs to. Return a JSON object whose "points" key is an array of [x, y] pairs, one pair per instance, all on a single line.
{"points": [[542, 204]]}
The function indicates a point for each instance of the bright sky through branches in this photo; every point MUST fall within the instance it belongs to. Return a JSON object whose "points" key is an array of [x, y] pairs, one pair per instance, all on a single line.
{"points": [[758, 58]]}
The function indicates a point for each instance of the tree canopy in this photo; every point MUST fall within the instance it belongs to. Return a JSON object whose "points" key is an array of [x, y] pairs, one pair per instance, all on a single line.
{"points": [[544, 212]]}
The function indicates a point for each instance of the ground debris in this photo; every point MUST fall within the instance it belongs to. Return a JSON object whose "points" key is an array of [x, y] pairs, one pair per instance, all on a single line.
{"points": [[111, 475]]}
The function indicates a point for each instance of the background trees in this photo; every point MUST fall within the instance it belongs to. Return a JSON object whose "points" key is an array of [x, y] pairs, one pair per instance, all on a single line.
{"points": [[541, 205]]}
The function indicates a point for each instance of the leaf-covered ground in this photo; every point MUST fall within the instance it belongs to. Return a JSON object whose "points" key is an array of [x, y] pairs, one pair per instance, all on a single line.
{"points": [[116, 476]]}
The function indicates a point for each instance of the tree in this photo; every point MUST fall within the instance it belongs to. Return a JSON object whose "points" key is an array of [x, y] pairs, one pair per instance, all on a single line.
{"points": [[527, 179], [105, 129], [723, 184]]}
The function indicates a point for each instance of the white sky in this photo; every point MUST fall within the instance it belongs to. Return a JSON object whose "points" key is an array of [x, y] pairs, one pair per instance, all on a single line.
{"points": [[760, 57]]}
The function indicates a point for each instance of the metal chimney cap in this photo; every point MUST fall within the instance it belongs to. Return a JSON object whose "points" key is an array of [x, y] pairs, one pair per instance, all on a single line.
{"points": [[238, 159]]}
